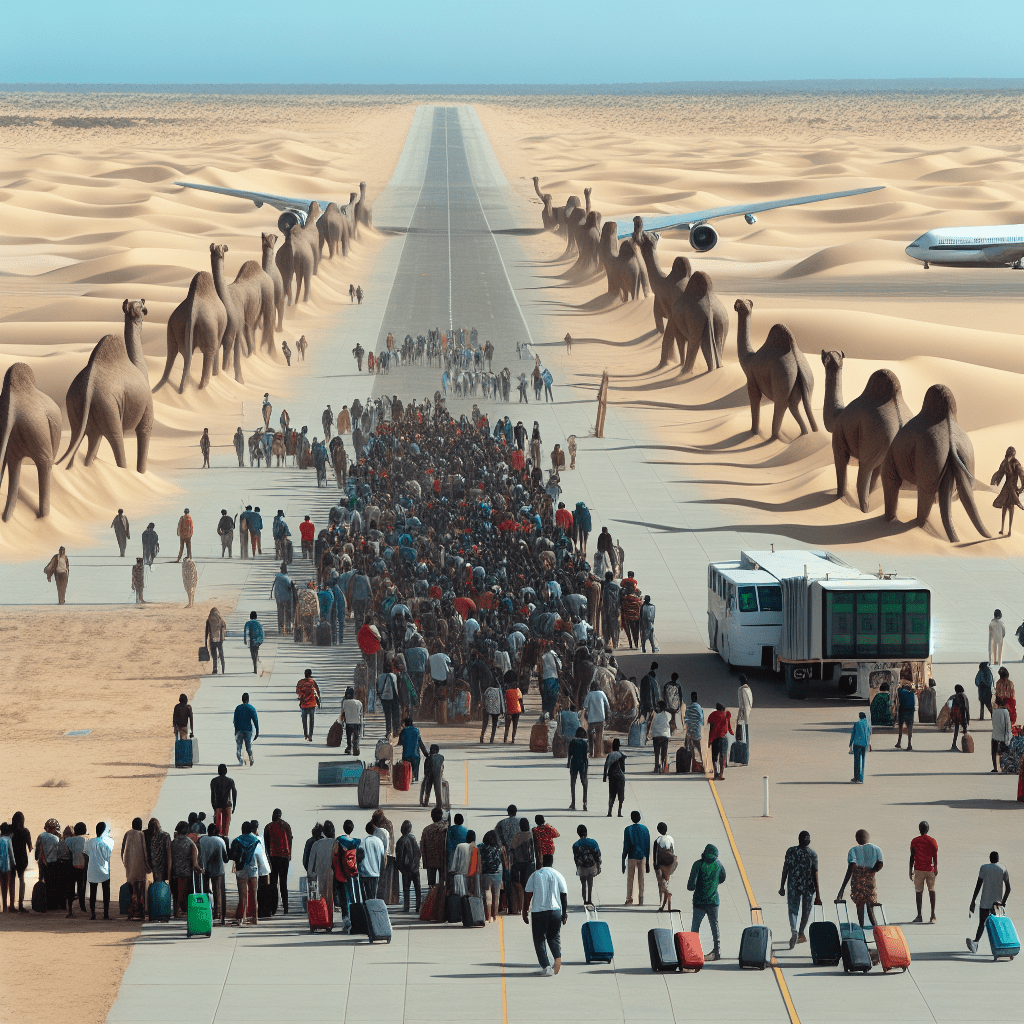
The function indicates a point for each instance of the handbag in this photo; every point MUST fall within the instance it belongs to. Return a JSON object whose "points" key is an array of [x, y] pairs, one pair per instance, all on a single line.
{"points": [[204, 654]]}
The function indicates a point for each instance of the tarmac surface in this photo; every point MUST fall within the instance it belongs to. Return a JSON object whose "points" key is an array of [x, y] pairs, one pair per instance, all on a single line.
{"points": [[452, 258]]}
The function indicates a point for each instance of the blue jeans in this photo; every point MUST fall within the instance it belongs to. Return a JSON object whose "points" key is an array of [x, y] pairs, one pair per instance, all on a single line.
{"points": [[308, 714], [549, 695], [858, 762], [547, 932], [246, 738], [699, 912], [796, 916]]}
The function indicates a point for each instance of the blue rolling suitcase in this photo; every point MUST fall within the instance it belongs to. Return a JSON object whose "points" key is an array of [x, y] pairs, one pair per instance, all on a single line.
{"points": [[739, 752], [597, 938], [853, 947], [159, 897], [756, 943], [826, 947], [636, 735], [1002, 936], [184, 753]]}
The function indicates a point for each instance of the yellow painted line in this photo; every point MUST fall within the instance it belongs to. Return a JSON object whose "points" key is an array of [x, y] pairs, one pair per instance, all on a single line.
{"points": [[780, 980], [501, 946], [465, 765]]}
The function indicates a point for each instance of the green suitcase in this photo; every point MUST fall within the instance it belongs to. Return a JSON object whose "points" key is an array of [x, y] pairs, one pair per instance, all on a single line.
{"points": [[198, 914]]}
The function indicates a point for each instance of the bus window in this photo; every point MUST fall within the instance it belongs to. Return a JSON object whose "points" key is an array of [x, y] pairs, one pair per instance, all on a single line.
{"points": [[770, 598], [748, 599]]}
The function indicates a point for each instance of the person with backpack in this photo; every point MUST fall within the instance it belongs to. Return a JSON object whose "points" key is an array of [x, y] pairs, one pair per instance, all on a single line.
{"points": [[492, 866], [277, 840], [513, 703], [283, 593], [213, 858], [308, 692], [493, 707], [706, 875], [615, 776], [407, 856], [522, 854], [586, 854], [320, 870], [906, 705], [345, 860], [665, 863], [411, 742], [959, 714], [387, 691], [245, 721]]}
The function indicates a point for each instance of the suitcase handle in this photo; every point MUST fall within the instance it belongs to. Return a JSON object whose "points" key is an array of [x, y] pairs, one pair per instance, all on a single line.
{"points": [[760, 917], [588, 909], [846, 910], [879, 905]]}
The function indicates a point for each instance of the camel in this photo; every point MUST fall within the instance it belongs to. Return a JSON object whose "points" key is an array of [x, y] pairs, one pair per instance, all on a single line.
{"points": [[588, 238], [547, 214], [197, 323], [234, 297], [777, 370], [574, 221], [699, 322], [666, 290], [271, 269], [257, 288], [333, 228], [933, 452], [363, 211], [111, 395], [295, 259], [864, 429], [626, 274]]}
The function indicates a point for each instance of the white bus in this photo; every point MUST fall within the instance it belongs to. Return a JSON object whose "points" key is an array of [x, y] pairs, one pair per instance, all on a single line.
{"points": [[811, 616]]}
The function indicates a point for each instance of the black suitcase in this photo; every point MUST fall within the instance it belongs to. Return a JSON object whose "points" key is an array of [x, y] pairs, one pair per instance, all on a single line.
{"points": [[683, 759], [826, 949], [377, 923], [324, 635], [266, 899], [755, 942], [854, 948], [356, 907], [453, 910], [472, 912], [39, 898], [662, 946]]}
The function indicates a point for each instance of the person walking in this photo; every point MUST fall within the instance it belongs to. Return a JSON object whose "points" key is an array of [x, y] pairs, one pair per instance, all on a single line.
{"points": [[307, 533], [984, 682], [744, 704], [865, 860], [660, 729], [213, 858], [924, 866], [800, 869], [407, 857], [694, 720], [223, 799], [204, 447], [615, 776], [243, 852], [387, 691], [597, 708], [136, 868], [98, 851], [994, 886], [1002, 732], [523, 860], [547, 894], [996, 638], [139, 580], [184, 865], [513, 704], [121, 530], [277, 839], [647, 614], [371, 864], [906, 705], [245, 722], [226, 532], [586, 855], [213, 636], [239, 442], [308, 693], [650, 692], [636, 856], [150, 544], [959, 714], [434, 845], [411, 742], [57, 570], [493, 707], [860, 744], [578, 762], [665, 863], [706, 875], [186, 527], [252, 635], [255, 531], [182, 720], [352, 719], [719, 731]]}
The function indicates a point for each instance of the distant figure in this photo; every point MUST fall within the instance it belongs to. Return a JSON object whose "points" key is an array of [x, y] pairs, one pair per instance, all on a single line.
{"points": [[359, 294], [568, 342], [286, 352], [571, 446], [182, 720], [359, 352], [268, 410], [138, 580], [239, 443], [300, 346], [226, 532], [189, 578], [213, 637], [204, 447], [58, 569], [996, 637], [150, 544], [351, 293], [1008, 498], [121, 531], [186, 527]]}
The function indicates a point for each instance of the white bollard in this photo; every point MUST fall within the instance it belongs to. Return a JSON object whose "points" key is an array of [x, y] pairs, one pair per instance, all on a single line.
{"points": [[766, 804]]}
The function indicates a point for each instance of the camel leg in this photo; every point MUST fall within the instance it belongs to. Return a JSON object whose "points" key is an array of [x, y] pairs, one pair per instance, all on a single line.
{"points": [[842, 461], [44, 472], [142, 434], [172, 354], [94, 446], [306, 290], [667, 346], [794, 408], [925, 501], [186, 373], [13, 486], [692, 347], [280, 313], [209, 366], [116, 439], [778, 412], [238, 359], [865, 476], [227, 347], [754, 394], [891, 483], [659, 319]]}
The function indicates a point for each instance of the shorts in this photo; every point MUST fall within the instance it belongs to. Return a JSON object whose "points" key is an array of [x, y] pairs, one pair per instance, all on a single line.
{"points": [[923, 878], [906, 717]]}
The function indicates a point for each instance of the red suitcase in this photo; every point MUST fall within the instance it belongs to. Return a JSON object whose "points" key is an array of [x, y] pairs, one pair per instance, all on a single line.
{"points": [[402, 775], [893, 950], [691, 953], [317, 909]]}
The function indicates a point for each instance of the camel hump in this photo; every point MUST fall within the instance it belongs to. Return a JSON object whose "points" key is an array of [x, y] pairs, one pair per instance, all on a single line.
{"points": [[883, 386], [332, 207], [109, 349], [609, 230], [780, 337], [202, 285], [681, 268], [248, 270], [938, 404], [314, 210], [19, 375], [699, 286]]}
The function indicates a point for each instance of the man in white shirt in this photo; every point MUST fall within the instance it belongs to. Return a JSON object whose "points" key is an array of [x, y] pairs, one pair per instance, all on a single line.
{"points": [[352, 717], [597, 708], [744, 702], [472, 627], [371, 863], [996, 637], [548, 671], [546, 892], [213, 856], [493, 707]]}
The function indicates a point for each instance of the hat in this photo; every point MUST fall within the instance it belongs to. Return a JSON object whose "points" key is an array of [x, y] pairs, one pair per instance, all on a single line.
{"points": [[186, 510]]}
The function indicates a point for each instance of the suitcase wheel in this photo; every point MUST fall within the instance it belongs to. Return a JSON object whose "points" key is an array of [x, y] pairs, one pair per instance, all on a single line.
{"points": [[331, 929], [311, 929]]}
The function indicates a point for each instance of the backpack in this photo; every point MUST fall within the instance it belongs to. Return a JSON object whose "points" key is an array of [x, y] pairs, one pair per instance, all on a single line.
{"points": [[346, 862], [585, 857]]}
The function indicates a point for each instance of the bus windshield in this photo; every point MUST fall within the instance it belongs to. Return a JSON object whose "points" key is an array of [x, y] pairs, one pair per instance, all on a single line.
{"points": [[747, 599], [770, 598]]}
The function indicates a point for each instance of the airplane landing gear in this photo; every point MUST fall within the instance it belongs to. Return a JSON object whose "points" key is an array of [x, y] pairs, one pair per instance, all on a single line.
{"points": [[926, 267]]}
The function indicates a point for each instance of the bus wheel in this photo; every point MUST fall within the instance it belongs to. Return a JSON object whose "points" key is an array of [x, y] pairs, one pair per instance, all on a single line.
{"points": [[796, 682]]}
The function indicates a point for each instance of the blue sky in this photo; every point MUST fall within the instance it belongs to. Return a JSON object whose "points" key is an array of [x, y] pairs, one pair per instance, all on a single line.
{"points": [[507, 41]]}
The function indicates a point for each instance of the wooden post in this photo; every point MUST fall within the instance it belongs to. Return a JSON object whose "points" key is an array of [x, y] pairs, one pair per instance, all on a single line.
{"points": [[602, 406]]}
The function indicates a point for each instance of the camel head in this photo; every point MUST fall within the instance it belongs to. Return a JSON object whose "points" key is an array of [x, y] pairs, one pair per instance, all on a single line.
{"points": [[743, 306], [362, 190], [832, 361], [314, 212], [134, 309], [938, 404], [269, 242], [218, 250], [353, 196]]}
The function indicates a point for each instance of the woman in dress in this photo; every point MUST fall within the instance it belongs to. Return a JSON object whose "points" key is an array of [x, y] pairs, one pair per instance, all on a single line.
{"points": [[1011, 474]]}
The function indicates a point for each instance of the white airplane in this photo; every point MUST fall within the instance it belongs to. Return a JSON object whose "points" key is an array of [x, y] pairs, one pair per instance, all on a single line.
{"points": [[999, 246], [293, 211], [703, 237]]}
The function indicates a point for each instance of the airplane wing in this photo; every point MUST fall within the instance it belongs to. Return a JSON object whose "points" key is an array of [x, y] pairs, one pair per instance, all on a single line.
{"points": [[282, 203], [666, 222]]}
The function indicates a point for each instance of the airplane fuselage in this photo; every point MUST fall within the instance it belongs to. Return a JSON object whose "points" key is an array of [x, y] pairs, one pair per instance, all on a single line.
{"points": [[999, 246]]}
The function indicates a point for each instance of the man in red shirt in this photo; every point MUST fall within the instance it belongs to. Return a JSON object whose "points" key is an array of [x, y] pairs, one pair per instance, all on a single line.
{"points": [[307, 531], [544, 837], [309, 700], [719, 726], [277, 838], [924, 866], [563, 518]]}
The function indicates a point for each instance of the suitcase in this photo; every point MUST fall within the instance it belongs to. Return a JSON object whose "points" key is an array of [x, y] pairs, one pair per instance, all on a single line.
{"points": [[854, 950], [198, 912], [369, 788], [539, 737], [1002, 936], [204, 654], [826, 948], [661, 944], [377, 922], [926, 711], [683, 759], [324, 636], [335, 734], [739, 752], [453, 909], [402, 776], [559, 746], [568, 723], [303, 890], [967, 743], [184, 753], [266, 899], [697, 767], [433, 906], [688, 948], [356, 907], [446, 796], [893, 951], [472, 912], [39, 898], [636, 735], [316, 908], [124, 899], [159, 899], [597, 937], [756, 942]]}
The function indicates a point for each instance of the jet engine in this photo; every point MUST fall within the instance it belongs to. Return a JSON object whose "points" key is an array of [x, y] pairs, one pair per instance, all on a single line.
{"points": [[703, 237], [750, 218], [290, 219]]}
